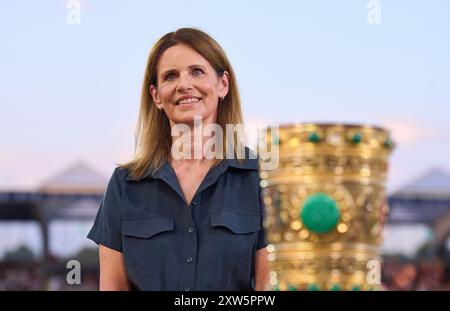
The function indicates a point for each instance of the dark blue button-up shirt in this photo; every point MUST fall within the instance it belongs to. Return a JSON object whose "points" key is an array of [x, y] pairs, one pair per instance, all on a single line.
{"points": [[208, 245]]}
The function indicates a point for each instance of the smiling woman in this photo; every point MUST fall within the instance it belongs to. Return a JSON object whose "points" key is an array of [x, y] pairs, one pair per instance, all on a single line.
{"points": [[187, 86], [167, 223]]}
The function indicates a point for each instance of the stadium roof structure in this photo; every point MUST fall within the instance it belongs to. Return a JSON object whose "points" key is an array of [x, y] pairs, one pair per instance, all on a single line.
{"points": [[74, 193], [78, 178], [424, 200], [433, 184]]}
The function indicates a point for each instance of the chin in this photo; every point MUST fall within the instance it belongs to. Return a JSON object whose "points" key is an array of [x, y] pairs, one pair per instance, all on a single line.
{"points": [[188, 116], [186, 119]]}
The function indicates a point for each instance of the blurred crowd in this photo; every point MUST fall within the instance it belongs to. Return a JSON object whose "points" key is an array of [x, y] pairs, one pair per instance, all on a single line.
{"points": [[396, 276], [415, 276], [36, 277]]}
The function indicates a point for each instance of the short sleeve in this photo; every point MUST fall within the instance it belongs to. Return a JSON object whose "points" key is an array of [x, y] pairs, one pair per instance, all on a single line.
{"points": [[107, 228], [262, 233]]}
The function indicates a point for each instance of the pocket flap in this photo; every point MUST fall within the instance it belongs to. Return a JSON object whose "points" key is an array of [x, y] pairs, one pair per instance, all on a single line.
{"points": [[236, 222], [146, 227]]}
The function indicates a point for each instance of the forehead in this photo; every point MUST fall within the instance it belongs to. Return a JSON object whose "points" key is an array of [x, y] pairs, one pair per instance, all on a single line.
{"points": [[180, 56]]}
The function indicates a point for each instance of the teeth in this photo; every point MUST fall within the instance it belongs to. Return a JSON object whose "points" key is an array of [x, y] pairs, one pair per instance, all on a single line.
{"points": [[188, 100]]}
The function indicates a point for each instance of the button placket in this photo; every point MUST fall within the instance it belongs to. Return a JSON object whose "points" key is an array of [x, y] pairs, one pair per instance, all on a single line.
{"points": [[187, 279]]}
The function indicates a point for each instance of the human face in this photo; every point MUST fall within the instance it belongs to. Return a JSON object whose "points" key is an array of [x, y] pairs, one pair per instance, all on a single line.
{"points": [[188, 86]]}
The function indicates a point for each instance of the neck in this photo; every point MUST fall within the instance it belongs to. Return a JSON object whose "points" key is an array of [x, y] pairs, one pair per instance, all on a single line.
{"points": [[190, 144]]}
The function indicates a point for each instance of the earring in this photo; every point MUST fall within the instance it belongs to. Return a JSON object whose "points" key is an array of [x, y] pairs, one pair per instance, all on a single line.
{"points": [[221, 99]]}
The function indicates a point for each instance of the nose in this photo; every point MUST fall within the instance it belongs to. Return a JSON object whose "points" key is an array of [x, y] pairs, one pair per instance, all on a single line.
{"points": [[184, 83]]}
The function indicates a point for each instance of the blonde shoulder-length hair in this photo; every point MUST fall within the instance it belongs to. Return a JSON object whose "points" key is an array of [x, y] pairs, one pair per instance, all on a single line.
{"points": [[153, 138]]}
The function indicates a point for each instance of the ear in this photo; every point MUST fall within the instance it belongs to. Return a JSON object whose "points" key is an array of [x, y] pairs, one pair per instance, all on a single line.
{"points": [[223, 84], [154, 92]]}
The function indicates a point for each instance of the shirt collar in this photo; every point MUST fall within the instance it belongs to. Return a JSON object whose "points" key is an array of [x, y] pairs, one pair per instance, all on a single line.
{"points": [[248, 163]]}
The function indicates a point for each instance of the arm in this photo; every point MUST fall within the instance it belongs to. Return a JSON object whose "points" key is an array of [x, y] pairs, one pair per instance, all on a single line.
{"points": [[113, 276], [262, 270]]}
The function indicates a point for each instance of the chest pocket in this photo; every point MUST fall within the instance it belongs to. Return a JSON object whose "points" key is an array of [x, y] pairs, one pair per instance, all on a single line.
{"points": [[233, 236], [146, 227], [146, 241], [236, 222]]}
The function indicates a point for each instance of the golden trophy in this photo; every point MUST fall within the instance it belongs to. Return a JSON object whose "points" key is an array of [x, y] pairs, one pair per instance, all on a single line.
{"points": [[325, 206]]}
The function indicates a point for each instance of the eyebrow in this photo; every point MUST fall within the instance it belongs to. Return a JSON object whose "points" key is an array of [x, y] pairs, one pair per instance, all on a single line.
{"points": [[174, 70]]}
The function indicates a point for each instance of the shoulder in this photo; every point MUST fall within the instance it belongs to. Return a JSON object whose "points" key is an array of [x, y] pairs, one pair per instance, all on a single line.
{"points": [[120, 175], [247, 161]]}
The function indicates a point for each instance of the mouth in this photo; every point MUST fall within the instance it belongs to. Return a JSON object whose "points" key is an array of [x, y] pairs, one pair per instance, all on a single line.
{"points": [[188, 101]]}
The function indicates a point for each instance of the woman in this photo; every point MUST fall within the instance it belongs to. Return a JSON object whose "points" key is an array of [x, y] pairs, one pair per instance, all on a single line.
{"points": [[189, 223]]}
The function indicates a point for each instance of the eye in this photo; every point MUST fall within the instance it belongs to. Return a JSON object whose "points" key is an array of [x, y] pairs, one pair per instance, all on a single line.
{"points": [[197, 71], [170, 76]]}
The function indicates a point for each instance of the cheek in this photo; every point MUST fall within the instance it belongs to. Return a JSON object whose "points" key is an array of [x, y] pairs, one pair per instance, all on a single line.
{"points": [[209, 88], [166, 93]]}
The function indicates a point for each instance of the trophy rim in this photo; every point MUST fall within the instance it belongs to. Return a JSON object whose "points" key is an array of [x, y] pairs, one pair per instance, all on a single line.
{"points": [[330, 124]]}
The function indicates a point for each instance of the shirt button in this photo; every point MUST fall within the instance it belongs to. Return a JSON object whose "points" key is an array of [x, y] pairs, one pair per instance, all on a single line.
{"points": [[189, 259], [187, 289], [194, 202], [190, 230]]}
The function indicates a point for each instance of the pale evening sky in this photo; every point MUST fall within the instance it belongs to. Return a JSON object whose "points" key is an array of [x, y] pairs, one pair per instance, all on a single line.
{"points": [[70, 92]]}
